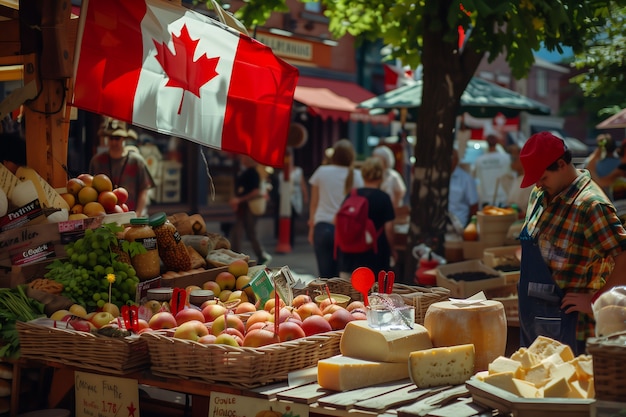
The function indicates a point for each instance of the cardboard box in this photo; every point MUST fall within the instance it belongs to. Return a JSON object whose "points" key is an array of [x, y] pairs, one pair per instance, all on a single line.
{"points": [[465, 289], [501, 256]]}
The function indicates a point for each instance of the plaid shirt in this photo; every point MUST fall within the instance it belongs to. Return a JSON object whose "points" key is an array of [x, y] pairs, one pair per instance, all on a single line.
{"points": [[578, 233]]}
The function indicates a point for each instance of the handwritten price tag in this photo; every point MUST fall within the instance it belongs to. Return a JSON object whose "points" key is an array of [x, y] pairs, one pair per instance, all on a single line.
{"points": [[105, 396], [227, 405]]}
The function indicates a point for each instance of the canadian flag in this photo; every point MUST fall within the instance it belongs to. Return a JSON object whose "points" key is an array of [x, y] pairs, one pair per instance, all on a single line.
{"points": [[166, 68], [397, 76]]}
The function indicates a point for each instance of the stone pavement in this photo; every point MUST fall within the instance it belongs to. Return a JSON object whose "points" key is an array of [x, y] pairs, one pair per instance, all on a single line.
{"points": [[301, 260]]}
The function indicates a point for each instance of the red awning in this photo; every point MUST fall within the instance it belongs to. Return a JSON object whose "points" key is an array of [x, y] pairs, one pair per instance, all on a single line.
{"points": [[335, 99]]}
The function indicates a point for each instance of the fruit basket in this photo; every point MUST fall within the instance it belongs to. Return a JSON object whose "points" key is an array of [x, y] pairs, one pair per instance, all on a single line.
{"points": [[418, 297], [609, 366], [40, 341], [242, 367]]}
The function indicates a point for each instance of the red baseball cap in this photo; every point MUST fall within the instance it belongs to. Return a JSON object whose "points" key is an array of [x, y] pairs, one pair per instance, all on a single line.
{"points": [[539, 152]]}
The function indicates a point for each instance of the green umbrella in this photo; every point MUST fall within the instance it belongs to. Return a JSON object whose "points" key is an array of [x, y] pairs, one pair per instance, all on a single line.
{"points": [[480, 99]]}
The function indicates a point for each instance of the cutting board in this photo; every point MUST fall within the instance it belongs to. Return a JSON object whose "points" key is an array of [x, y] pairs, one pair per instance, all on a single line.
{"points": [[346, 400]]}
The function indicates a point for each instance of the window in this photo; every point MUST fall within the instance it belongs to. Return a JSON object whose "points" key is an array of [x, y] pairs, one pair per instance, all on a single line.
{"points": [[314, 7], [541, 83]]}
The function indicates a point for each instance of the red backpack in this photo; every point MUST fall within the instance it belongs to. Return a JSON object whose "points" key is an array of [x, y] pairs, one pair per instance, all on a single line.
{"points": [[355, 232]]}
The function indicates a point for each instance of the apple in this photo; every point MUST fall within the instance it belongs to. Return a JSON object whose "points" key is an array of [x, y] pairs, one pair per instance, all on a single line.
{"points": [[74, 185], [331, 308], [125, 207], [261, 337], [298, 300], [208, 339], [77, 208], [355, 304], [117, 209], [189, 314], [87, 194], [86, 178], [108, 199], [69, 198], [226, 339], [309, 309], [213, 286], [111, 308], [153, 306], [245, 307], [287, 313], [315, 324], [359, 314], [290, 330], [242, 281], [162, 320], [209, 302], [238, 267], [213, 311], [122, 195], [269, 304], [340, 318], [102, 182], [142, 324], [191, 330], [81, 325], [226, 280], [234, 333], [60, 314], [94, 209], [227, 320], [101, 318], [259, 316]]}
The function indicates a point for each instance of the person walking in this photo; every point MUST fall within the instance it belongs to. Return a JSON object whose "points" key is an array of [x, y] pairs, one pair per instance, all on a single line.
{"points": [[381, 213], [488, 169], [299, 192], [247, 188], [125, 168], [330, 184], [573, 246], [392, 183], [463, 195]]}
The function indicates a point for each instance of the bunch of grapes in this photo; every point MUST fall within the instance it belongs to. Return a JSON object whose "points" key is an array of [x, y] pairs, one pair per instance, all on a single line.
{"points": [[84, 272]]}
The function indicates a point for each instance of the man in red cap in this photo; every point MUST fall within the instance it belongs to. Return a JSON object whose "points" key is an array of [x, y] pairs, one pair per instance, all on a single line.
{"points": [[573, 246]]}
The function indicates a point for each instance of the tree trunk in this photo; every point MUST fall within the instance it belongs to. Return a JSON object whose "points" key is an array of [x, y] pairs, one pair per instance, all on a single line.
{"points": [[444, 81]]}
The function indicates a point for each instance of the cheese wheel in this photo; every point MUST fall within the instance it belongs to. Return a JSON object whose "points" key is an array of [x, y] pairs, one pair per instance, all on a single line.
{"points": [[382, 345], [483, 325]]}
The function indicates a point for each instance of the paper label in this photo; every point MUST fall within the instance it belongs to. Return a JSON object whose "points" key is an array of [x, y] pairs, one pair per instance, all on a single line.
{"points": [[227, 405], [105, 396]]}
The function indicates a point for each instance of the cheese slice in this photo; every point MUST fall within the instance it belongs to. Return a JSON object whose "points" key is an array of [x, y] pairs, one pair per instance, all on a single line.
{"points": [[361, 341], [507, 382], [441, 366], [504, 364], [342, 373]]}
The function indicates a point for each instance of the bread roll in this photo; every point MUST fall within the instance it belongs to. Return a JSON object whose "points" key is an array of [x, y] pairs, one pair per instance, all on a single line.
{"points": [[610, 319]]}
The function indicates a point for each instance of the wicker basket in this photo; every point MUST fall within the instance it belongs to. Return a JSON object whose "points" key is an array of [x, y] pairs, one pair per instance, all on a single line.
{"points": [[418, 297], [242, 367], [81, 349], [609, 366]]}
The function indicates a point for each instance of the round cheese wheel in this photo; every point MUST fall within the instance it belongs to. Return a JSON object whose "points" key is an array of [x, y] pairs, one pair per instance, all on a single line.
{"points": [[483, 325]]}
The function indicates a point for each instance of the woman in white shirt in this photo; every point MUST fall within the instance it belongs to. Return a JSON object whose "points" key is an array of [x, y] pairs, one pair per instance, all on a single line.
{"points": [[329, 186], [393, 183]]}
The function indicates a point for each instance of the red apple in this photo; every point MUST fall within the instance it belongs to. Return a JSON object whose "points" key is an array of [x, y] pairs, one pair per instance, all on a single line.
{"points": [[101, 318], [108, 199], [290, 330], [331, 308], [286, 313], [309, 309], [354, 305], [261, 337], [188, 314], [234, 333], [340, 318], [162, 320], [213, 311], [259, 316], [86, 178], [125, 207], [359, 314], [208, 339], [191, 330], [121, 194], [81, 325], [226, 280], [118, 209], [271, 303], [227, 320], [298, 300], [142, 324], [315, 324]]}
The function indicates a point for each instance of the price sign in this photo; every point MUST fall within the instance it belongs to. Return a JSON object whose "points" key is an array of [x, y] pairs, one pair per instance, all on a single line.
{"points": [[105, 396], [227, 405]]}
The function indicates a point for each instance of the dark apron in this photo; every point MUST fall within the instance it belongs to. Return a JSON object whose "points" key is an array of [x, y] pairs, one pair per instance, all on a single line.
{"points": [[540, 300]]}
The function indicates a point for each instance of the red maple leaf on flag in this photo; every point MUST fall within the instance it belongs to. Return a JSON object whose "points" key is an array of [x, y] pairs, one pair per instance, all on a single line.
{"points": [[182, 71]]}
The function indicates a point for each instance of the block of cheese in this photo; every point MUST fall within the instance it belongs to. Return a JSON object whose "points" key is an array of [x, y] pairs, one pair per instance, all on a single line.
{"points": [[556, 388], [48, 196], [565, 370], [545, 347], [526, 358], [538, 375], [507, 382], [482, 324], [361, 341], [451, 365], [584, 367], [342, 373], [504, 364]]}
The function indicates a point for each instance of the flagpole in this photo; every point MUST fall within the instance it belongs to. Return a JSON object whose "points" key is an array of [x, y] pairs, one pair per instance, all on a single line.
{"points": [[284, 209]]}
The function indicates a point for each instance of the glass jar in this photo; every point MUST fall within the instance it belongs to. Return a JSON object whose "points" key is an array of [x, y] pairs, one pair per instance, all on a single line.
{"points": [[172, 249], [147, 264]]}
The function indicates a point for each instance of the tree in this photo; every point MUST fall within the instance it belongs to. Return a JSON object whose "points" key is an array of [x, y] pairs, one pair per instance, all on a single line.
{"points": [[428, 32], [602, 80]]}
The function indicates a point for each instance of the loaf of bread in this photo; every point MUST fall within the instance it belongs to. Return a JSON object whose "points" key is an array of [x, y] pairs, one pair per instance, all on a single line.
{"points": [[223, 257], [197, 261]]}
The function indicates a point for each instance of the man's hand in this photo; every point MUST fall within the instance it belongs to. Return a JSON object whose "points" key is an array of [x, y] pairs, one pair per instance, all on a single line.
{"points": [[580, 302]]}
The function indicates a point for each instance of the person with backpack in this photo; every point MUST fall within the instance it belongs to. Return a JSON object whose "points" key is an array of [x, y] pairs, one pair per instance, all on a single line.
{"points": [[364, 225], [330, 183]]}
